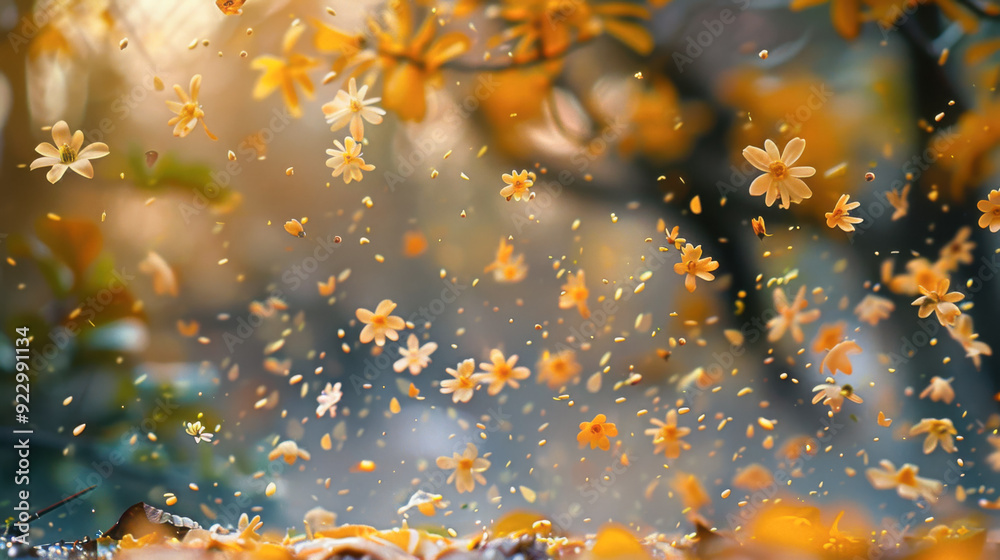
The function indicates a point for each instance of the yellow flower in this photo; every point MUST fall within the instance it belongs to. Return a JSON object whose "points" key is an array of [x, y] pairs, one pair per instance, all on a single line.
{"points": [[289, 451], [352, 107], [780, 179], [939, 302], [189, 111], [939, 390], [872, 309], [557, 370], [840, 218], [468, 468], [938, 431], [197, 431], [575, 294], [380, 325], [501, 372], [464, 383], [667, 436], [347, 160], [517, 184], [837, 358], [694, 266], [504, 268], [990, 207], [790, 317], [66, 153], [673, 237], [411, 58], [285, 72], [596, 433]]}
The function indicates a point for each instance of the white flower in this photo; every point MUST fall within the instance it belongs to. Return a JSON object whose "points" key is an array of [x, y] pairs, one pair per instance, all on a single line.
{"points": [[464, 383], [66, 153], [834, 395], [328, 400], [351, 107], [197, 431], [415, 357]]}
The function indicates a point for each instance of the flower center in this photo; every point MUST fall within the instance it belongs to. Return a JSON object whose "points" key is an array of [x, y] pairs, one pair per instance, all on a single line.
{"points": [[996, 210], [67, 154], [596, 429], [502, 371], [377, 320], [906, 477], [778, 169], [465, 464], [355, 105]]}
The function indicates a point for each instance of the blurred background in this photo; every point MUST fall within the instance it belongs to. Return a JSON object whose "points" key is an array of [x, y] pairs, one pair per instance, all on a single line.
{"points": [[632, 115]]}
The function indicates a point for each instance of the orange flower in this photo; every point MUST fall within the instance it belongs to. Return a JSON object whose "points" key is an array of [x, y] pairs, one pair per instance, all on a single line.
{"points": [[939, 390], [919, 272], [957, 251], [558, 369], [501, 372], [790, 317], [847, 15], [667, 436], [753, 477], [962, 331], [908, 485], [285, 72], [938, 431], [517, 184], [505, 267], [694, 266], [779, 179], [990, 207], [673, 237], [873, 309], [189, 111], [380, 325], [833, 395], [411, 58], [759, 229], [692, 493], [939, 302], [839, 217], [898, 201], [837, 358], [574, 294], [464, 383], [828, 336], [596, 433], [468, 468]]}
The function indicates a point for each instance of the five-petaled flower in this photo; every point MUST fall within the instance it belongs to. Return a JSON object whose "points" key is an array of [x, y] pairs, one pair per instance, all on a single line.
{"points": [[464, 383], [667, 436], [415, 357], [501, 372], [596, 433], [352, 107], [940, 303], [517, 184], [380, 325], [66, 153], [779, 178], [990, 207], [468, 468], [328, 400], [347, 160], [189, 111], [575, 294], [840, 217], [694, 266], [938, 430], [906, 482]]}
